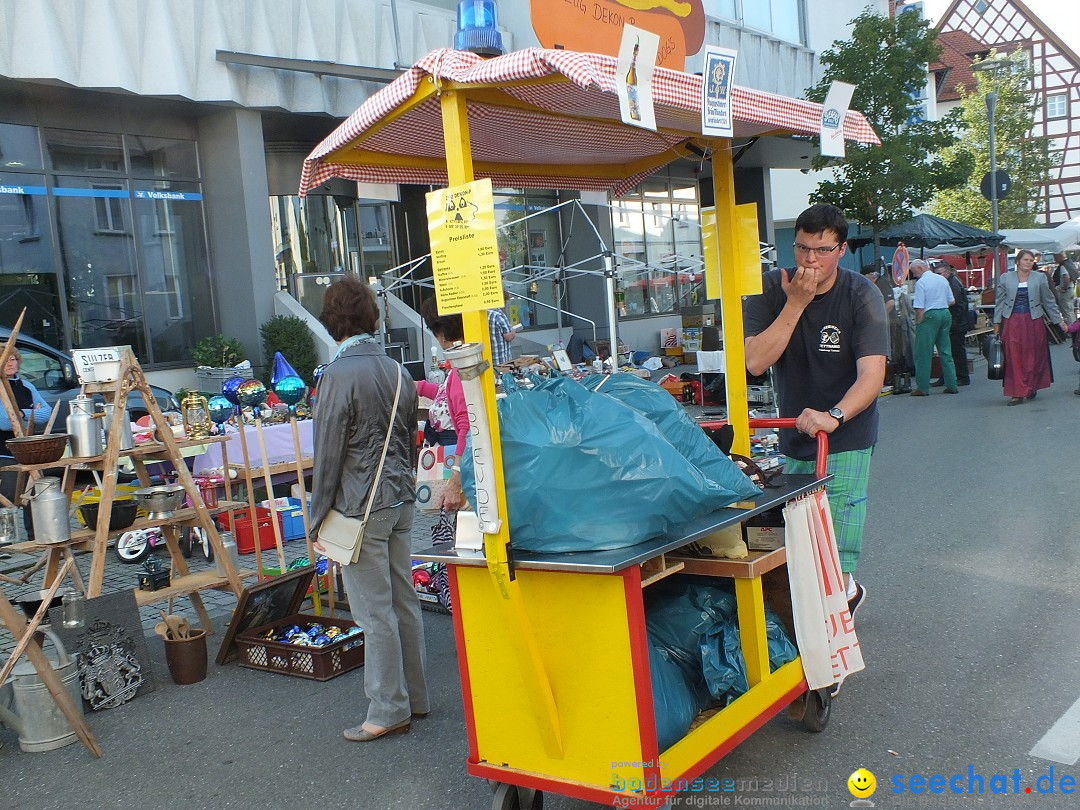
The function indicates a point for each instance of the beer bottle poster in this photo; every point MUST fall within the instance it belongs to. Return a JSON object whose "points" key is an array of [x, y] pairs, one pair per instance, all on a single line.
{"points": [[716, 106], [464, 254], [633, 77]]}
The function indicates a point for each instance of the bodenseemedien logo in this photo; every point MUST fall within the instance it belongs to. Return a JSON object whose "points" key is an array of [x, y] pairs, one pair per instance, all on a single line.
{"points": [[862, 785]]}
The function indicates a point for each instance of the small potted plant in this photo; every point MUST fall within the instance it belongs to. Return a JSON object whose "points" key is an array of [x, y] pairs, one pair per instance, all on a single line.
{"points": [[216, 358]]}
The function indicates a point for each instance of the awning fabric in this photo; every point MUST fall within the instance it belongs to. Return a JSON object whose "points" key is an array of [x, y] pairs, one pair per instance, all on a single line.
{"points": [[928, 231], [540, 119]]}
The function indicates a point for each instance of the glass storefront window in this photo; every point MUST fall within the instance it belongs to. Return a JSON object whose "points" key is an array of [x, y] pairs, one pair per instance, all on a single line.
{"points": [[72, 150], [27, 274], [319, 238], [97, 253], [19, 149], [658, 242], [173, 262], [686, 224], [529, 240], [377, 236], [162, 157], [108, 260]]}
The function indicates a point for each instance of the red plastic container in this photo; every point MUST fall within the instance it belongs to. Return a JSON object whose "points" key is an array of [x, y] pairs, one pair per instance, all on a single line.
{"points": [[245, 542]]}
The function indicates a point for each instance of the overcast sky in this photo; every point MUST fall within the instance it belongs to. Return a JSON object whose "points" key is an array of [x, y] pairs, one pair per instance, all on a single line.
{"points": [[1060, 16]]}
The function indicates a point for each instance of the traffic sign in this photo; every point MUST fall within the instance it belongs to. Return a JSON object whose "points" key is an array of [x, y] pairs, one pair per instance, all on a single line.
{"points": [[1004, 185]]}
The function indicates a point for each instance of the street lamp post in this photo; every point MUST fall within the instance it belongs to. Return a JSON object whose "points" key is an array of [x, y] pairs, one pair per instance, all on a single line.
{"points": [[993, 65], [991, 103]]}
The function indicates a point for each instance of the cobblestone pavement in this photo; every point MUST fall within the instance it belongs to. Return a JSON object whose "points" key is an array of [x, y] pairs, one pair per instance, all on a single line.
{"points": [[121, 576]]}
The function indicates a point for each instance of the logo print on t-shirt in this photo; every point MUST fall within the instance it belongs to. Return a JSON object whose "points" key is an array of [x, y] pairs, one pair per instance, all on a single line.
{"points": [[829, 340]]}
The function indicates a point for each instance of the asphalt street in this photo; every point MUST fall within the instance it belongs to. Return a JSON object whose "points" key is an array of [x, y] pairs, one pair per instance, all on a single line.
{"points": [[970, 634]]}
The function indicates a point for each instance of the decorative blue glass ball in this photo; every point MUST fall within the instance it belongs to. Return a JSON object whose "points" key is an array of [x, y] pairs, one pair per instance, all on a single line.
{"points": [[290, 389], [229, 387], [220, 409]]}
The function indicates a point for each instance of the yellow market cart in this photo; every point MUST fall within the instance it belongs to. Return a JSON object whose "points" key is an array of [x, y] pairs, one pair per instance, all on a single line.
{"points": [[552, 648]]}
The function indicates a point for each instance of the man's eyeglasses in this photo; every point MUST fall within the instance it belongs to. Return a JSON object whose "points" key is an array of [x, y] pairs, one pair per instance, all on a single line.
{"points": [[820, 251]]}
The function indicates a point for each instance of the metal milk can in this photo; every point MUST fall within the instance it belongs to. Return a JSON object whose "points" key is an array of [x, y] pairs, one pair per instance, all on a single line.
{"points": [[85, 430], [49, 510], [126, 439], [36, 717]]}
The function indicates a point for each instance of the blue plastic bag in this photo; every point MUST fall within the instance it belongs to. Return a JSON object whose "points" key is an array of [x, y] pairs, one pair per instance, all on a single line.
{"points": [[678, 614], [662, 409], [583, 472], [674, 703], [722, 661]]}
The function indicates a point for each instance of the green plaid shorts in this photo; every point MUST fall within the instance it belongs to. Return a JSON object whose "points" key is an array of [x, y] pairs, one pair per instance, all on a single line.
{"points": [[847, 498]]}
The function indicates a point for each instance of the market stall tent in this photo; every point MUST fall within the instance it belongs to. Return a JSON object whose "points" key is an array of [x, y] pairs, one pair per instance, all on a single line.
{"points": [[931, 232], [1065, 236], [550, 119]]}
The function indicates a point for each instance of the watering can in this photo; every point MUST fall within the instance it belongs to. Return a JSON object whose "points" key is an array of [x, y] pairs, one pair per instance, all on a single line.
{"points": [[27, 707]]}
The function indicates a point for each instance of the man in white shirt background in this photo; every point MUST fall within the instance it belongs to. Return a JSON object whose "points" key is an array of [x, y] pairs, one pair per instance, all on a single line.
{"points": [[933, 297]]}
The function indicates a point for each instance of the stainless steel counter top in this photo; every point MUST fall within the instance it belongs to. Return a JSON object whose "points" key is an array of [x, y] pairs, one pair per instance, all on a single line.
{"points": [[785, 488]]}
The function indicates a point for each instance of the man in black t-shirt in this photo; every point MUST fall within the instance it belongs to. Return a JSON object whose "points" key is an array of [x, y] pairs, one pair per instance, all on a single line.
{"points": [[825, 331]]}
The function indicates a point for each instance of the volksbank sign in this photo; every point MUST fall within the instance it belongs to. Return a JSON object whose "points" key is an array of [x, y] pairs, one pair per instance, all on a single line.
{"points": [[171, 196]]}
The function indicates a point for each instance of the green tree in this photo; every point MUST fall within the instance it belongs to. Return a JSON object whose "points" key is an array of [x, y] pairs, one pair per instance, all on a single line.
{"points": [[1024, 158], [886, 59]]}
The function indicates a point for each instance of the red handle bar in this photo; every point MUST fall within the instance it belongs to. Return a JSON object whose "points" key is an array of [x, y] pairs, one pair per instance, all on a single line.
{"points": [[822, 438]]}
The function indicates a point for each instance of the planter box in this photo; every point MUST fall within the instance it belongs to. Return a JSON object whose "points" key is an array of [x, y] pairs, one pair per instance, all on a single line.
{"points": [[210, 379]]}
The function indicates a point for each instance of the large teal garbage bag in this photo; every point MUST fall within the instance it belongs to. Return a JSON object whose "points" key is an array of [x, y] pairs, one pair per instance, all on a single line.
{"points": [[678, 615], [584, 472], [674, 704], [723, 664], [664, 411]]}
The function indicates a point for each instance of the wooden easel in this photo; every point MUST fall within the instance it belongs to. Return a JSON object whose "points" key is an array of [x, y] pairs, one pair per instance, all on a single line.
{"points": [[20, 629], [131, 378]]}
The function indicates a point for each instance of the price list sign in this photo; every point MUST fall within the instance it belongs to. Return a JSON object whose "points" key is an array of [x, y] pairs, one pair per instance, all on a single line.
{"points": [[464, 253]]}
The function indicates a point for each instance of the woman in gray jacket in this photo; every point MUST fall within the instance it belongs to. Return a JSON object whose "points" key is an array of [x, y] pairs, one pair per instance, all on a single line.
{"points": [[353, 404], [1021, 298]]}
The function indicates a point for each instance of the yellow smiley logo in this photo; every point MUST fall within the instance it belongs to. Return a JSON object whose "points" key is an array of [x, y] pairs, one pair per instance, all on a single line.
{"points": [[862, 784]]}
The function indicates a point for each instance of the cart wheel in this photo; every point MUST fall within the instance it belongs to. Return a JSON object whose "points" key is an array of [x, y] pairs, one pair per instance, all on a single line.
{"points": [[511, 797], [818, 708], [133, 546], [194, 538]]}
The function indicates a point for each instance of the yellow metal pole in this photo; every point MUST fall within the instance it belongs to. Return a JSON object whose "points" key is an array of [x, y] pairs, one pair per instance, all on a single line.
{"points": [[738, 412], [459, 169], [755, 644]]}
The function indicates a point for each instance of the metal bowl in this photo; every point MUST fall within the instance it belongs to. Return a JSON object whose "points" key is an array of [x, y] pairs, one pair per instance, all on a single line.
{"points": [[161, 501], [121, 516]]}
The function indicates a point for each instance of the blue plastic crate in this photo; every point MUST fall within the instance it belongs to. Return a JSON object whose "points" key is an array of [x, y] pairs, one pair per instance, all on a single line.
{"points": [[292, 518]]}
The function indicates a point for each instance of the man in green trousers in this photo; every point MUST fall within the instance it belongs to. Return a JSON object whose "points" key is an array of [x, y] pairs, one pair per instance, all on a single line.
{"points": [[933, 297]]}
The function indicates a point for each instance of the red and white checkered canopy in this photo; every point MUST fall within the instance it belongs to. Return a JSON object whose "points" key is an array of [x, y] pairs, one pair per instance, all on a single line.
{"points": [[540, 134]]}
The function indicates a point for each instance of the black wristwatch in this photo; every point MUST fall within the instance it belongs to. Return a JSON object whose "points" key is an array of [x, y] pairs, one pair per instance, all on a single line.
{"points": [[837, 414]]}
